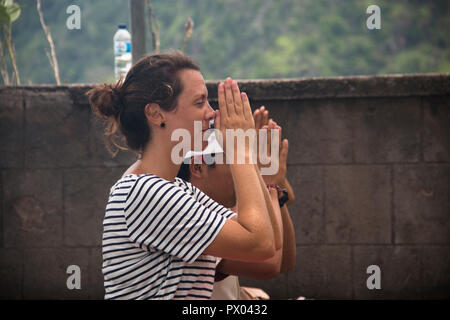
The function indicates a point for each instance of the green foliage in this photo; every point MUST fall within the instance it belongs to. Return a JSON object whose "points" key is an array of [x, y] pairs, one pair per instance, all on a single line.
{"points": [[246, 39], [9, 11]]}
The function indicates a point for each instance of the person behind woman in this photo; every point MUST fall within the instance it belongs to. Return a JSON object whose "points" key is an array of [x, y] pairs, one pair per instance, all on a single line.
{"points": [[216, 181], [159, 239]]}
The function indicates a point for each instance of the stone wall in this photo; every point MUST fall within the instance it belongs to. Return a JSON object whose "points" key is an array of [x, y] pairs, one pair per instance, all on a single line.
{"points": [[369, 163]]}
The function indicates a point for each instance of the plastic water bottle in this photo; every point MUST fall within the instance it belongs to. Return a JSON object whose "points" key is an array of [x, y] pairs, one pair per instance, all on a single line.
{"points": [[122, 51]]}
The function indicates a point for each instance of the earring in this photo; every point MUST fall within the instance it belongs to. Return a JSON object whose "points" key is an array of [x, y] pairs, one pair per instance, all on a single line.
{"points": [[163, 124]]}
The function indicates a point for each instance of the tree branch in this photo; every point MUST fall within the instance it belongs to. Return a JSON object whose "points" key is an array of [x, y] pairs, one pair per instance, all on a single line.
{"points": [[154, 32], [11, 53], [53, 60], [188, 29], [3, 65]]}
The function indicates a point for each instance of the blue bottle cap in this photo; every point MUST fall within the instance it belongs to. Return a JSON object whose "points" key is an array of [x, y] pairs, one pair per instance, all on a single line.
{"points": [[122, 26]]}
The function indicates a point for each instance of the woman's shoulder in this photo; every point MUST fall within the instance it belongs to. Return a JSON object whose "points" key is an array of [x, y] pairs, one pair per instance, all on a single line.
{"points": [[133, 177], [186, 186], [130, 180], [132, 183]]}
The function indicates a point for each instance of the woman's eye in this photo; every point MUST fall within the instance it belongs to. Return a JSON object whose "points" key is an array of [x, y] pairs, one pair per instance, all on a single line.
{"points": [[200, 103]]}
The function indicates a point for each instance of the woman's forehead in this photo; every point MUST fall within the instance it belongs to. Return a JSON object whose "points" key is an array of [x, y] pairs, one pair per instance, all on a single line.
{"points": [[193, 82]]}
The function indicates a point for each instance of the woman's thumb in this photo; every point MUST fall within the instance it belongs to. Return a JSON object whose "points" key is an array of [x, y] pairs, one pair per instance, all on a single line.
{"points": [[284, 149], [217, 120]]}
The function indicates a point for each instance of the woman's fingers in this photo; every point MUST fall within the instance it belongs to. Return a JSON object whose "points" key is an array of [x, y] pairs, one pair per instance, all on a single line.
{"points": [[260, 116], [234, 107], [237, 98], [221, 99], [277, 127], [280, 142], [217, 124], [257, 119], [265, 117], [284, 151], [265, 147], [229, 97], [269, 139], [247, 110]]}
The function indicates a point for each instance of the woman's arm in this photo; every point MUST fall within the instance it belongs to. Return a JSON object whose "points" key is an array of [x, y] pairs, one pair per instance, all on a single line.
{"points": [[250, 238], [279, 160], [261, 117], [284, 258], [286, 185], [289, 245], [264, 270], [273, 208]]}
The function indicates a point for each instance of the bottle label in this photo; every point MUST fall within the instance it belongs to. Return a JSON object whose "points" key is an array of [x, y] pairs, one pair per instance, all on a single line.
{"points": [[122, 47]]}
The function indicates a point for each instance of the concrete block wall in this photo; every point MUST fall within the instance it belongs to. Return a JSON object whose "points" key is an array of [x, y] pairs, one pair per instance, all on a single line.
{"points": [[369, 162]]}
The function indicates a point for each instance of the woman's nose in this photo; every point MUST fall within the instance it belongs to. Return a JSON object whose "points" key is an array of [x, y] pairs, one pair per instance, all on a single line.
{"points": [[210, 112]]}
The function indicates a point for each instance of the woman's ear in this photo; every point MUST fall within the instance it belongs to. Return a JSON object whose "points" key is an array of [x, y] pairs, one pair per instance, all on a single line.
{"points": [[154, 114], [196, 170]]}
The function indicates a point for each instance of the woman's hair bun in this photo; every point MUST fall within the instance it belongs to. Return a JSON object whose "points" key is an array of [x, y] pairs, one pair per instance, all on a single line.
{"points": [[106, 100]]}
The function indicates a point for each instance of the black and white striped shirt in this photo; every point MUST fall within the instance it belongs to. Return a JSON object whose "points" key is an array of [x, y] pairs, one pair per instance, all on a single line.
{"points": [[154, 234]]}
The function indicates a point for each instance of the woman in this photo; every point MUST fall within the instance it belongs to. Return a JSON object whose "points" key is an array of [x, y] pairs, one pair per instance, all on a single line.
{"points": [[159, 240]]}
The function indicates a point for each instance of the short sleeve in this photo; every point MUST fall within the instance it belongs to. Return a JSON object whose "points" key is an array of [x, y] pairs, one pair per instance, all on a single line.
{"points": [[162, 216], [205, 200]]}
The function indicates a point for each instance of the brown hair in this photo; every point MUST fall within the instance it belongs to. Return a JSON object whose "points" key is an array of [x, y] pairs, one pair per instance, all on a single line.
{"points": [[153, 79]]}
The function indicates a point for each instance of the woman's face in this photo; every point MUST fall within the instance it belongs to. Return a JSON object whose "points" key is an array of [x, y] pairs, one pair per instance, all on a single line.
{"points": [[215, 181], [192, 105], [220, 185]]}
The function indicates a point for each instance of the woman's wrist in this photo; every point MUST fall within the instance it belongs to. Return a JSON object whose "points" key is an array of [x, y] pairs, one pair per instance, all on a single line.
{"points": [[282, 194], [273, 192], [273, 186], [240, 156]]}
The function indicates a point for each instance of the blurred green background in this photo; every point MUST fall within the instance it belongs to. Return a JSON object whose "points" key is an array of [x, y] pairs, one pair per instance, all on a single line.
{"points": [[249, 39]]}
